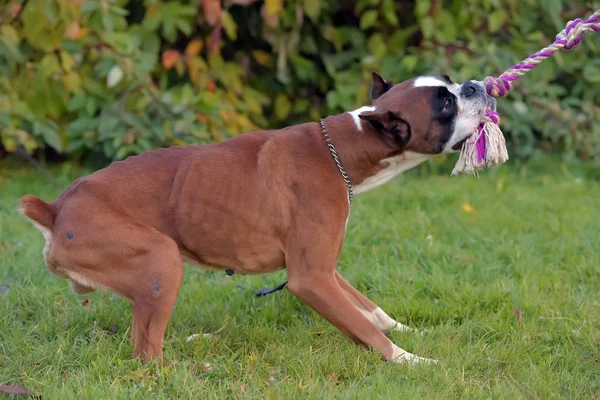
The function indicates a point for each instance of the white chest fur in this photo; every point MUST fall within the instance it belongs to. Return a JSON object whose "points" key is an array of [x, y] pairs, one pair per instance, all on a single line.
{"points": [[394, 166]]}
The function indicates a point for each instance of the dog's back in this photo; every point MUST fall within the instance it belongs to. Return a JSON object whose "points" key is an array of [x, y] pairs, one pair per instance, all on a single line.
{"points": [[202, 197]]}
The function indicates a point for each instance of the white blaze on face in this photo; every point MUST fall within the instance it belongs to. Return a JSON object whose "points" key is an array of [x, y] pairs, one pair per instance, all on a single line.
{"points": [[432, 81]]}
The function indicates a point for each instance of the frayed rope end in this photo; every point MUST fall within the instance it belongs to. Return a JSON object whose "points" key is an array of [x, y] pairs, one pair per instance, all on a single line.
{"points": [[486, 147]]}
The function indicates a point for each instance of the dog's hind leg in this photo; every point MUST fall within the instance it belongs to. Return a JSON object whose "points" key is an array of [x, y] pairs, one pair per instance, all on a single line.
{"points": [[111, 251], [154, 299], [374, 313]]}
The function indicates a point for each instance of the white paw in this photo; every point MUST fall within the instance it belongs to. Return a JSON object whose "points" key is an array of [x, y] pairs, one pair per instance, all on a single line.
{"points": [[402, 356]]}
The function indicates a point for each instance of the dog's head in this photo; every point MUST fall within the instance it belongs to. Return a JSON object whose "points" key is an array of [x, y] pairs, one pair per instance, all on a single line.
{"points": [[428, 114]]}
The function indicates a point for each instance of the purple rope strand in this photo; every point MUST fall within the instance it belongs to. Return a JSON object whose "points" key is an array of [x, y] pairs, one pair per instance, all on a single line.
{"points": [[568, 38]]}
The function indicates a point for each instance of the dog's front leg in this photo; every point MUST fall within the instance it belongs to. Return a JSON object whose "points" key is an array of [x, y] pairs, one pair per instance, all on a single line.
{"points": [[374, 313], [312, 278]]}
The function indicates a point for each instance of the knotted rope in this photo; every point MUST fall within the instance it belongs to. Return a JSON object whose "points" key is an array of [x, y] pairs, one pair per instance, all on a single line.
{"points": [[487, 146]]}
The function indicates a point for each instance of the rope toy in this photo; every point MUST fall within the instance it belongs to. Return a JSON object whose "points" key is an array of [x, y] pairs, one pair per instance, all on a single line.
{"points": [[487, 146]]}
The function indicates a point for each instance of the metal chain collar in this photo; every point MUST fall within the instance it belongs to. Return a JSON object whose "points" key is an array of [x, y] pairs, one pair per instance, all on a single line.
{"points": [[338, 162]]}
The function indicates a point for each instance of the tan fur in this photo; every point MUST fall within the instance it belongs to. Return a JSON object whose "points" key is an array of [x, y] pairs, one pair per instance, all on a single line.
{"points": [[256, 203]]}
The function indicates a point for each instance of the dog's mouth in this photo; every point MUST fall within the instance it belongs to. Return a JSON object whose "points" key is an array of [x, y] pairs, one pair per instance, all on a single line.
{"points": [[460, 143]]}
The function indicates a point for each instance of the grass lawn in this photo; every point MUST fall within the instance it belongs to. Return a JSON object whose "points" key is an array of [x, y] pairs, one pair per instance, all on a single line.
{"points": [[502, 271]]}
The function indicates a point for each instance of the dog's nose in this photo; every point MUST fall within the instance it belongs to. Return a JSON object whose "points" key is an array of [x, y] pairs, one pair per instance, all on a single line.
{"points": [[470, 88]]}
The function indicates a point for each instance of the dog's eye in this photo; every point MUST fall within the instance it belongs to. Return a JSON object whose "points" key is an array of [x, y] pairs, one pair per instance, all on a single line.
{"points": [[447, 104]]}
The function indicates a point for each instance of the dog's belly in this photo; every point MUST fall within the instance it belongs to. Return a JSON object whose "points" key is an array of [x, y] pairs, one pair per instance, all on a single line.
{"points": [[243, 262], [227, 236]]}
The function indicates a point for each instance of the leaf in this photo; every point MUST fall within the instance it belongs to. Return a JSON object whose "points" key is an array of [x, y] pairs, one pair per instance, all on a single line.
{"points": [[262, 57], [304, 68], [107, 126], [9, 35], [368, 19], [229, 25], [273, 7], [312, 8], [466, 207], [50, 64], [49, 134], [169, 58], [212, 10], [74, 145], [67, 61], [591, 72], [389, 12], [72, 81], [115, 75], [376, 45], [422, 8], [194, 47], [282, 107], [427, 27], [496, 20]]}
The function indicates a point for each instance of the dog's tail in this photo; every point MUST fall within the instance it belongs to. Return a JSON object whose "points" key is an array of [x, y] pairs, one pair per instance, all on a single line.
{"points": [[38, 211]]}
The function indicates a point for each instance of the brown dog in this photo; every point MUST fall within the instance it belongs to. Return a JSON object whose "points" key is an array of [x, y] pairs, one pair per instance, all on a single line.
{"points": [[257, 203]]}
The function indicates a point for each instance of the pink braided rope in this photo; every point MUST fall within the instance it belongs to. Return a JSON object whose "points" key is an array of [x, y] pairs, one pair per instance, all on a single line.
{"points": [[568, 39], [480, 147]]}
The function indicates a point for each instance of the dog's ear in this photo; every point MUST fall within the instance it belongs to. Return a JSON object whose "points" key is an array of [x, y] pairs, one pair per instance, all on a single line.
{"points": [[390, 124], [379, 86]]}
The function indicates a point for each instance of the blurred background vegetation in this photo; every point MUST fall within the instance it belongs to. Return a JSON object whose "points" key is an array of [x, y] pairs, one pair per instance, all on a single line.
{"points": [[107, 79]]}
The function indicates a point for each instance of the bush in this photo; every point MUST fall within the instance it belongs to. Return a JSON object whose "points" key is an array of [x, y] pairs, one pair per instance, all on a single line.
{"points": [[122, 77]]}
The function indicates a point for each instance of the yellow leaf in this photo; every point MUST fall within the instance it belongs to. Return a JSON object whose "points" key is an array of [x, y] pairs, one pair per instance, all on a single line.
{"points": [[66, 60], [194, 47], [282, 107], [178, 142], [229, 25], [273, 7], [9, 143], [9, 35], [72, 81], [262, 57], [466, 207], [50, 64]]}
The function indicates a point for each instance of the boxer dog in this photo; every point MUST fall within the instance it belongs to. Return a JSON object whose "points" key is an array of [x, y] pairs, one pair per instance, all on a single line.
{"points": [[257, 203]]}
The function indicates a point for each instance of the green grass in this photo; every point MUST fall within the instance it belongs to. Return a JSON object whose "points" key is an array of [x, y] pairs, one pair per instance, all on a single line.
{"points": [[509, 295]]}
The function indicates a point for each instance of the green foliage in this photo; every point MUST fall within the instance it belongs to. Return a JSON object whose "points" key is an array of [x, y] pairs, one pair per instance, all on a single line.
{"points": [[121, 77]]}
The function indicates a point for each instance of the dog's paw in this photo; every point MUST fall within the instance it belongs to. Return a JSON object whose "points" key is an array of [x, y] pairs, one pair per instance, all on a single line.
{"points": [[403, 356]]}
